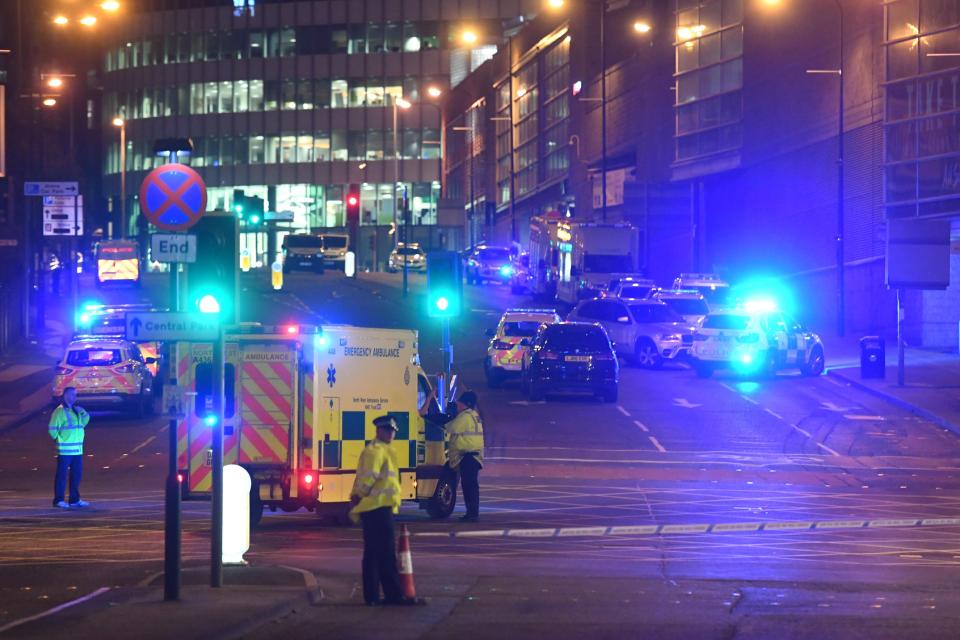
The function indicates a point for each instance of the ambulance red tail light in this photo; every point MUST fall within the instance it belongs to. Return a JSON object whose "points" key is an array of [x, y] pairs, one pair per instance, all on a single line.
{"points": [[180, 478], [308, 479], [291, 329]]}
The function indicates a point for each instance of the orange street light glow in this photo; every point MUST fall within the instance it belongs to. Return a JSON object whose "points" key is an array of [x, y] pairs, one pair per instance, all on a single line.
{"points": [[110, 5], [88, 21], [434, 92], [469, 37], [118, 122], [55, 82], [61, 20], [49, 102], [402, 103], [555, 4], [641, 27]]}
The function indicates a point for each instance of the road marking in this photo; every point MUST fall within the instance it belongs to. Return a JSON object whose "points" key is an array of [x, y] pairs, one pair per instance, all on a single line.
{"points": [[735, 526], [143, 444], [828, 449], [853, 416], [657, 445], [683, 402], [750, 400], [57, 609], [526, 403], [840, 524], [623, 411], [803, 431], [829, 406], [641, 425], [774, 414]]}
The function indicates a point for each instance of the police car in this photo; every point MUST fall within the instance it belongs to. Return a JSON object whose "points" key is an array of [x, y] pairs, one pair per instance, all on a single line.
{"points": [[755, 339], [712, 287], [506, 348], [108, 373], [99, 320], [411, 253], [630, 288]]}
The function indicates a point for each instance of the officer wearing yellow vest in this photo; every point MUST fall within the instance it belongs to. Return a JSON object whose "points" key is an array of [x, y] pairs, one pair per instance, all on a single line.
{"points": [[376, 498], [465, 452], [66, 427]]}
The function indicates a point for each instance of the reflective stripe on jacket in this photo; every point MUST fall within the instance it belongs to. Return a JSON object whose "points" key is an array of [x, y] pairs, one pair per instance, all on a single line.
{"points": [[466, 436], [66, 428], [378, 480]]}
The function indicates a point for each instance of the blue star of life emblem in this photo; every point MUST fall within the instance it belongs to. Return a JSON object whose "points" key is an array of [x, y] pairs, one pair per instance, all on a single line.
{"points": [[331, 375]]}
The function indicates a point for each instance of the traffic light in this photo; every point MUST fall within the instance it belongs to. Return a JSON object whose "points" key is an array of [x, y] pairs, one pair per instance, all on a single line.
{"points": [[239, 203], [212, 281], [444, 284], [353, 204], [254, 211]]}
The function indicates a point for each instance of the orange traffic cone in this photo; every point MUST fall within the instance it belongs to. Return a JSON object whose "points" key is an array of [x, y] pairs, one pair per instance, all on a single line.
{"points": [[405, 560]]}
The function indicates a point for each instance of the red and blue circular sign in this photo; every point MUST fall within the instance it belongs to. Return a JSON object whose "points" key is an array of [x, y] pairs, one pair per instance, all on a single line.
{"points": [[173, 197]]}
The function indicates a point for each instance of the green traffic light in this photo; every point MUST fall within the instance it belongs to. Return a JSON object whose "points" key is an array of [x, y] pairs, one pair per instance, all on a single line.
{"points": [[255, 219], [442, 303], [208, 304]]}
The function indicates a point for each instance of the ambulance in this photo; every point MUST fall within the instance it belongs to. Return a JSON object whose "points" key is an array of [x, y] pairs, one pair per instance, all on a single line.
{"points": [[298, 410]]}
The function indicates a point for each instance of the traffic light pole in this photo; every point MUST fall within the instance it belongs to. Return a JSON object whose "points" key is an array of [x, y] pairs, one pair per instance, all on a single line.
{"points": [[447, 350], [406, 238], [171, 530], [216, 502]]}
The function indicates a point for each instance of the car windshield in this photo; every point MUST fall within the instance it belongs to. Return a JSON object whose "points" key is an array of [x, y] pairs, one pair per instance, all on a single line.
{"points": [[493, 255], [303, 242], [334, 242], [654, 313], [688, 306], [409, 251], [726, 321], [521, 329], [563, 337], [635, 291], [606, 264], [715, 296], [93, 357]]}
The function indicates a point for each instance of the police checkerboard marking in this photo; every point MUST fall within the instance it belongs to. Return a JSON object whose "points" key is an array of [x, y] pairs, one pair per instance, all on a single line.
{"points": [[687, 529]]}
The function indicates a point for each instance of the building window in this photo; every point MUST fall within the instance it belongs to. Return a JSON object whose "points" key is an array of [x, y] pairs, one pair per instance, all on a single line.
{"points": [[338, 94]]}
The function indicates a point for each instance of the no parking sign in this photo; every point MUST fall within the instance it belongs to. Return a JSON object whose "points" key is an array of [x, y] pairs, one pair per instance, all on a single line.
{"points": [[173, 197]]}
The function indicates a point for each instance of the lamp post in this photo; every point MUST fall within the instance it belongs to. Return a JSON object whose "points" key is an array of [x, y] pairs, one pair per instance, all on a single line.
{"points": [[122, 124], [398, 103], [470, 129], [840, 230]]}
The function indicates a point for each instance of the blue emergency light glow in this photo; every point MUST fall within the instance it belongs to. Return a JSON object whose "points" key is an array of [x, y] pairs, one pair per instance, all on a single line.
{"points": [[506, 270], [210, 420], [84, 318], [321, 341], [760, 305]]}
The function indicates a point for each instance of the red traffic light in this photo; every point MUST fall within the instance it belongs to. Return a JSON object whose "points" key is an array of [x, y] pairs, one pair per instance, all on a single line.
{"points": [[352, 200]]}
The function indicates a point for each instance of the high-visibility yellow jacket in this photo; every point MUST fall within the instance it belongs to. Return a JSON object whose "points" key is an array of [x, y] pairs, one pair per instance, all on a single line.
{"points": [[378, 480], [66, 428], [466, 436]]}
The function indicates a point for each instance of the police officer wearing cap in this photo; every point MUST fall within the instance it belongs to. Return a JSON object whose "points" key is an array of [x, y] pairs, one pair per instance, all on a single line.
{"points": [[465, 453], [376, 498]]}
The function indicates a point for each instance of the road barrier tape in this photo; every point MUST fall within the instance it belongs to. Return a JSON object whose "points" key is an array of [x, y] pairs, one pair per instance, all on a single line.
{"points": [[677, 529]]}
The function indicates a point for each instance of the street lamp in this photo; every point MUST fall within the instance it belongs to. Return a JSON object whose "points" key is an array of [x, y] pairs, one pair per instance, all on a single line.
{"points": [[110, 5], [88, 20], [469, 36], [55, 82], [122, 124], [398, 103], [434, 91], [61, 20], [49, 102]]}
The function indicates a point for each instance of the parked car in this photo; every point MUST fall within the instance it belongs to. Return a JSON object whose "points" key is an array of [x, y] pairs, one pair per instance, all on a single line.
{"points": [[411, 253], [521, 279], [689, 303], [108, 373], [302, 252], [646, 332], [489, 263], [570, 357], [506, 348]]}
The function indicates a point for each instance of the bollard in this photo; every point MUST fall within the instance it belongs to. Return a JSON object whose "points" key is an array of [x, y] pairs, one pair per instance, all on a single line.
{"points": [[245, 260], [236, 514], [276, 274]]}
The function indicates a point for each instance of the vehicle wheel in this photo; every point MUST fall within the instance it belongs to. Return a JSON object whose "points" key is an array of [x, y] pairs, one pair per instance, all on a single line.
{"points": [[444, 499], [494, 379], [611, 394], [256, 506], [646, 356], [703, 370], [815, 364], [534, 391]]}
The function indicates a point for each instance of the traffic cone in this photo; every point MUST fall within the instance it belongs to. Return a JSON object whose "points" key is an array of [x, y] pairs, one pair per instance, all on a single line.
{"points": [[405, 559]]}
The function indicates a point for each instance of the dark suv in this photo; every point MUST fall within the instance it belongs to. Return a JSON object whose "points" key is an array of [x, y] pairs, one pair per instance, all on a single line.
{"points": [[570, 357]]}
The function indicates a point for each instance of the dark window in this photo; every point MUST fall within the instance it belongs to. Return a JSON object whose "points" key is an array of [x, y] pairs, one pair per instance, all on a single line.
{"points": [[688, 306], [613, 312], [522, 329], [590, 310], [93, 357], [654, 313], [573, 337], [493, 255], [606, 264], [303, 242], [726, 321]]}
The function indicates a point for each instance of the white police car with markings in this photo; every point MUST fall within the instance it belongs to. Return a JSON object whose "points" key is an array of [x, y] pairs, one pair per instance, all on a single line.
{"points": [[755, 339], [511, 340]]}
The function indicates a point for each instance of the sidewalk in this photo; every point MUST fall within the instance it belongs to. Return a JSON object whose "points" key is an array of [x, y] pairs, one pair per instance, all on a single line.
{"points": [[932, 379], [251, 596]]}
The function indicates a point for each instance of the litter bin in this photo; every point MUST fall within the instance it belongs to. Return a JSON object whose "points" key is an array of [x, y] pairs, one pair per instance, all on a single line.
{"points": [[873, 357]]}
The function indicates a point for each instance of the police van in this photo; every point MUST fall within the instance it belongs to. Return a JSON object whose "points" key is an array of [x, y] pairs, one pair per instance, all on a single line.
{"points": [[298, 410]]}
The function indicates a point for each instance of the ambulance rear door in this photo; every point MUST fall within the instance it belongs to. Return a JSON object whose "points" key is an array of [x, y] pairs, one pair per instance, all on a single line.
{"points": [[267, 382]]}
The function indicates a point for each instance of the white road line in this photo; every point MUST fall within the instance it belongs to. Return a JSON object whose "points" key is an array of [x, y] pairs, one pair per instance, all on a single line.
{"points": [[803, 431], [853, 416], [828, 449], [57, 609], [143, 444], [728, 387], [657, 445], [641, 425], [774, 413], [750, 400], [623, 411]]}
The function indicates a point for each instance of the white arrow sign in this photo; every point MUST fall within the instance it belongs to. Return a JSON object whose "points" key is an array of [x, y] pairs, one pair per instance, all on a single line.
{"points": [[148, 326], [683, 402]]}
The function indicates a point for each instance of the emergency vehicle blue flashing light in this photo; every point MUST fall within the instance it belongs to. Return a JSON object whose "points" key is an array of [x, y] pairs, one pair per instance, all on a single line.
{"points": [[210, 420], [84, 319], [506, 270], [321, 341], [745, 361], [761, 305]]}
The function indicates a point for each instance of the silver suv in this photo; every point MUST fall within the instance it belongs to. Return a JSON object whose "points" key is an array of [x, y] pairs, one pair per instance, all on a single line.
{"points": [[648, 332], [689, 303]]}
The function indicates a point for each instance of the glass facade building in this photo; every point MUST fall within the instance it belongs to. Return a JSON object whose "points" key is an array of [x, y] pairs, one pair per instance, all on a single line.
{"points": [[293, 102]]}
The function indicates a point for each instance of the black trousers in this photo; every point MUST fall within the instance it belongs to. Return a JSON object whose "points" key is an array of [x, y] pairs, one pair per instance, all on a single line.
{"points": [[75, 465], [380, 556], [470, 482]]}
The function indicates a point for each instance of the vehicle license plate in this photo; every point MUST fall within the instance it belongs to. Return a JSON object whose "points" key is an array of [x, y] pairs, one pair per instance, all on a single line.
{"points": [[577, 358]]}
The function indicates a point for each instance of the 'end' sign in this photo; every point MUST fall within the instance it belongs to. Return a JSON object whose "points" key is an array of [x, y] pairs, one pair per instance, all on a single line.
{"points": [[173, 247]]}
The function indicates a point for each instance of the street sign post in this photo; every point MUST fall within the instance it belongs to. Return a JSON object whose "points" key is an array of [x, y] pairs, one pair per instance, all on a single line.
{"points": [[51, 189], [169, 326], [173, 247], [63, 215]]}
